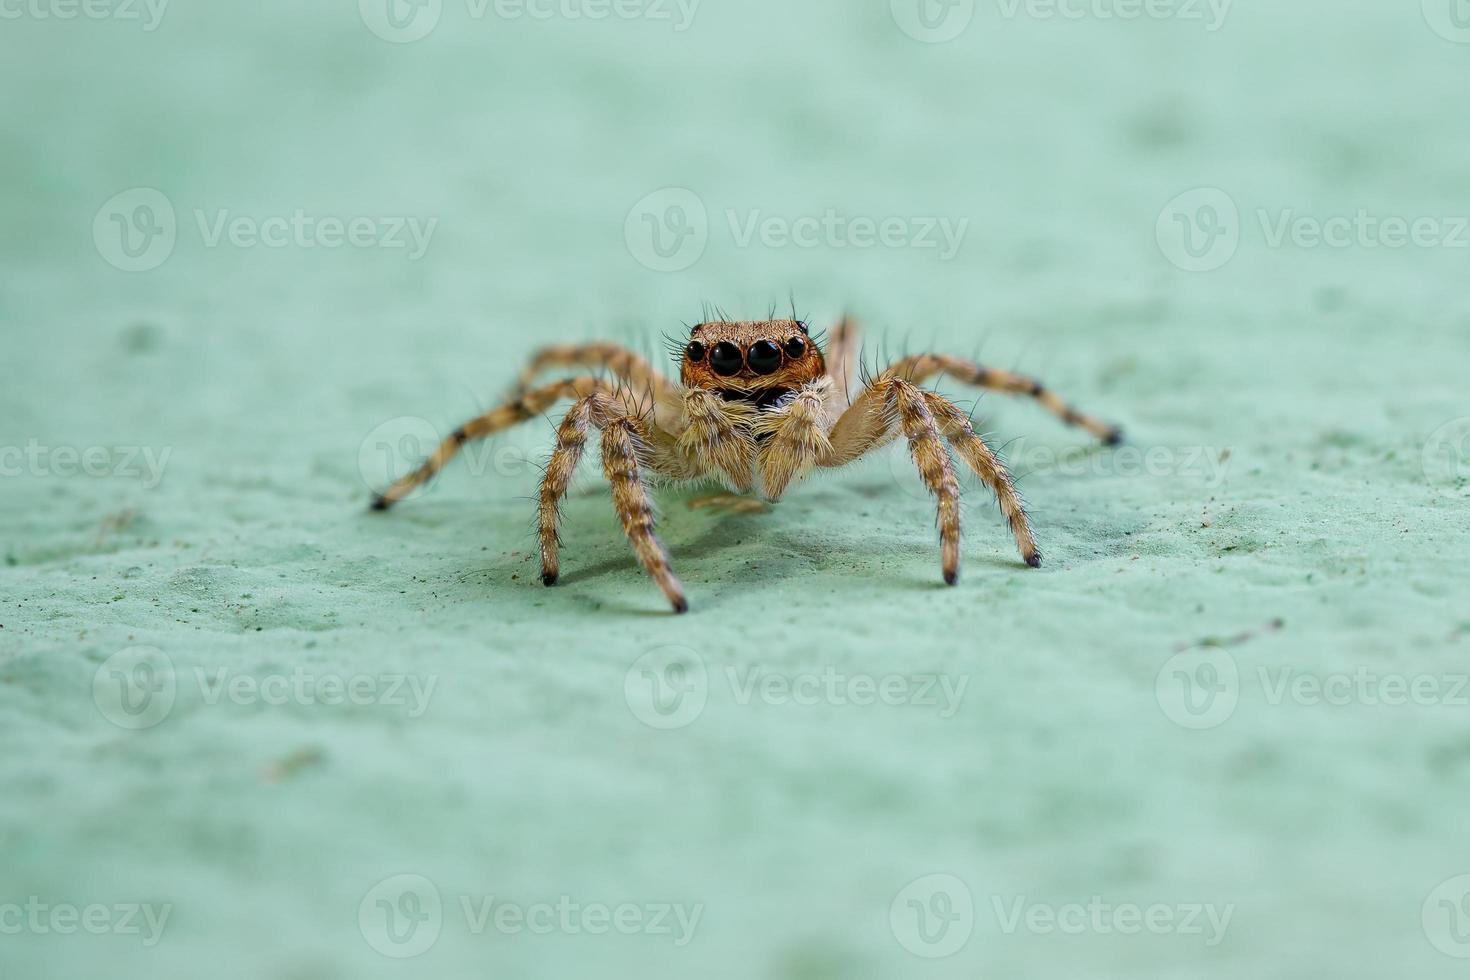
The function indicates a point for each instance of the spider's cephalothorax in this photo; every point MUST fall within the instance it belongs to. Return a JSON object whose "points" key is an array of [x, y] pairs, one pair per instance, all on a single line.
{"points": [[760, 362], [757, 407]]}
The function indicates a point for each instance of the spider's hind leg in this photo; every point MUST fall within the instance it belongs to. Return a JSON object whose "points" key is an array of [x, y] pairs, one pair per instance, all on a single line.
{"points": [[498, 419], [629, 367]]}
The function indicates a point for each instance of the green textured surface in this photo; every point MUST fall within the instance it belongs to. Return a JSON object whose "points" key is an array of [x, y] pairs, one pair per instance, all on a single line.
{"points": [[1289, 398]]}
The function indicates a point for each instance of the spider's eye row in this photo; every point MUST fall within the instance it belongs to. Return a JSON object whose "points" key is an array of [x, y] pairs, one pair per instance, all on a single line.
{"points": [[765, 357], [795, 348], [695, 352], [726, 359]]}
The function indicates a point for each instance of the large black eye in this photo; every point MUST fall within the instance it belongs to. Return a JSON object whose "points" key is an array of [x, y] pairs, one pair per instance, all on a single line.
{"points": [[765, 357], [726, 359], [695, 352], [795, 348]]}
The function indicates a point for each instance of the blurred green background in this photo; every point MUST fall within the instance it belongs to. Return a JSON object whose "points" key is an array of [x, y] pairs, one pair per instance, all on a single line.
{"points": [[1223, 733]]}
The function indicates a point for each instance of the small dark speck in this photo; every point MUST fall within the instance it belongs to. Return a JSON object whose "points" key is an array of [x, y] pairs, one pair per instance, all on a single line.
{"points": [[1161, 127], [141, 338]]}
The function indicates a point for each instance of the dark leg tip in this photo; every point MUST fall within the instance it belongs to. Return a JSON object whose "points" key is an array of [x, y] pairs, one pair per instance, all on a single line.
{"points": [[1113, 438], [681, 605], [951, 578], [379, 503], [1034, 559], [548, 579]]}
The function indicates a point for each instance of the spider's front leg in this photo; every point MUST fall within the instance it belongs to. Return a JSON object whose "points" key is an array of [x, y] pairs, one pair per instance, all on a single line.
{"points": [[890, 404], [625, 452]]}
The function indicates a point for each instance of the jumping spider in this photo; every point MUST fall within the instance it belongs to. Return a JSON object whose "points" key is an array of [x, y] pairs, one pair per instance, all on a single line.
{"points": [[757, 406]]}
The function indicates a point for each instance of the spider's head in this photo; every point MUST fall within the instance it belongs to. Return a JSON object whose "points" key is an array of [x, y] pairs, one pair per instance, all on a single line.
{"points": [[759, 361]]}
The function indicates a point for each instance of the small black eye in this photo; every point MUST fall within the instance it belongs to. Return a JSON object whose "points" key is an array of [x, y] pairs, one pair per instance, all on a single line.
{"points": [[801, 325], [795, 348], [765, 357], [726, 359], [695, 352]]}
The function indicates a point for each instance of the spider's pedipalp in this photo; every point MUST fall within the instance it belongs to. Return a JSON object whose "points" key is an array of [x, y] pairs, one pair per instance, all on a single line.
{"points": [[794, 439], [717, 438]]}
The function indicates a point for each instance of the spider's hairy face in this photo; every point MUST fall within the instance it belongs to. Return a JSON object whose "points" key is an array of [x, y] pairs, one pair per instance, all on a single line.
{"points": [[757, 361]]}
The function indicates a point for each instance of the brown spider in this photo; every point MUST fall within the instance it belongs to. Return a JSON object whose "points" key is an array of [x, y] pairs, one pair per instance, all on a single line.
{"points": [[757, 406]]}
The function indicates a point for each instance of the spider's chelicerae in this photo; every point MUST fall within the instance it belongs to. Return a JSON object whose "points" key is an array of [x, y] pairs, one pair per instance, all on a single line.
{"points": [[757, 406]]}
